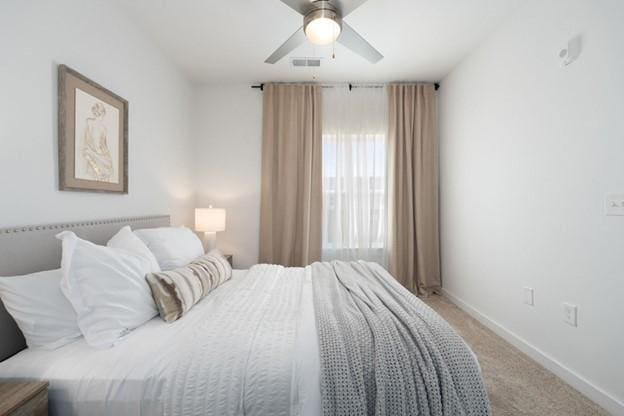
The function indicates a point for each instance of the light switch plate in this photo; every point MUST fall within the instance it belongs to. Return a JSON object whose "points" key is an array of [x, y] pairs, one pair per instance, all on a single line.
{"points": [[614, 204], [570, 314], [528, 296]]}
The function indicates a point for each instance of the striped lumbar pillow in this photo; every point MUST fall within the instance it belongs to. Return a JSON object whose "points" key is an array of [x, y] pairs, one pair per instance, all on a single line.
{"points": [[176, 291]]}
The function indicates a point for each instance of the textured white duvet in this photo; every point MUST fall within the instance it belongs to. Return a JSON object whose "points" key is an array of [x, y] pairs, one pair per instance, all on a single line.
{"points": [[250, 348]]}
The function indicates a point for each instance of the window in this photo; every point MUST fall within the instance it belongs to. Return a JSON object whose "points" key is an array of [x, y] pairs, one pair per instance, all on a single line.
{"points": [[354, 174]]}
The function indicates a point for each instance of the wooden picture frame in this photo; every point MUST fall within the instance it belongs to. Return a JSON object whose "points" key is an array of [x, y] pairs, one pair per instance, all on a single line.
{"points": [[92, 135]]}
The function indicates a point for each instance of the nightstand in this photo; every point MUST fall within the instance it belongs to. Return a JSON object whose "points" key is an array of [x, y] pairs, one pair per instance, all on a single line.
{"points": [[24, 399], [229, 258]]}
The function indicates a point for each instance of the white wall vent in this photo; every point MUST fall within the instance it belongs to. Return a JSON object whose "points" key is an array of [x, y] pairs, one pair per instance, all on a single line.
{"points": [[302, 62]]}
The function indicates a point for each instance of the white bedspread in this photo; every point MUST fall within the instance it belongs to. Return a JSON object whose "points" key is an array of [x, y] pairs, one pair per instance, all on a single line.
{"points": [[250, 348]]}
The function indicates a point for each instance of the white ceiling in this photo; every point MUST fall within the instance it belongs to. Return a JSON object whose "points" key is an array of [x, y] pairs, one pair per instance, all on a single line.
{"points": [[228, 40]]}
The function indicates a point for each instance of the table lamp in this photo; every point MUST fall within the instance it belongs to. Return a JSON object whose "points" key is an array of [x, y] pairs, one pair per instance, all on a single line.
{"points": [[210, 221]]}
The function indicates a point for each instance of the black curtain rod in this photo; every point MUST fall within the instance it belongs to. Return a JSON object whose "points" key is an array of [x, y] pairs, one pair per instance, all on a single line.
{"points": [[351, 86]]}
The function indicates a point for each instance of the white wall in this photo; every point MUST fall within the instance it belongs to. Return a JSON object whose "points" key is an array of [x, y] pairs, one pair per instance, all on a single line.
{"points": [[228, 130], [99, 41], [528, 151]]}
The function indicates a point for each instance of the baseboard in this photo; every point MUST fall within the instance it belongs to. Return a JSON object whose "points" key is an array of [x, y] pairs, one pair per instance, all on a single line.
{"points": [[594, 393]]}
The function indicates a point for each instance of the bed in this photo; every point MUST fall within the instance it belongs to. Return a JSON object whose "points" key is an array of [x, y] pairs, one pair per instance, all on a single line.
{"points": [[272, 340]]}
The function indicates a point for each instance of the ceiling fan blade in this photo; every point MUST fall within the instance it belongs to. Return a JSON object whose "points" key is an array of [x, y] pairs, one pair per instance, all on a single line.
{"points": [[295, 40], [301, 6], [352, 40], [347, 6]]}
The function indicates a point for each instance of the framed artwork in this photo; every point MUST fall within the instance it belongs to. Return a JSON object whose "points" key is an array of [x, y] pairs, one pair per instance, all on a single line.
{"points": [[92, 136]]}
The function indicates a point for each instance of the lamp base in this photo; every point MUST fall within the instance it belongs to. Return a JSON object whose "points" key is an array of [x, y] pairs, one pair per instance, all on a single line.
{"points": [[209, 241]]}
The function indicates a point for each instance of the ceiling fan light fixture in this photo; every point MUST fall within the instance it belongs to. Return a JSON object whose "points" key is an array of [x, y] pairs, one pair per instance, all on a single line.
{"points": [[322, 26]]}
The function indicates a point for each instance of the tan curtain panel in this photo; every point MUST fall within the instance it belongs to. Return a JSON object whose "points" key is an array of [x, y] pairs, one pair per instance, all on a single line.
{"points": [[415, 240], [290, 222]]}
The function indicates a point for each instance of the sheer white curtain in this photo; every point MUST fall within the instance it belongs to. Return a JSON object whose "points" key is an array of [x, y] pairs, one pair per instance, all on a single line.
{"points": [[355, 182]]}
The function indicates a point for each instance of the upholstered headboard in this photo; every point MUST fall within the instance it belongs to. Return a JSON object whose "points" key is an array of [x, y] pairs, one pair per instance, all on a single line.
{"points": [[33, 248]]}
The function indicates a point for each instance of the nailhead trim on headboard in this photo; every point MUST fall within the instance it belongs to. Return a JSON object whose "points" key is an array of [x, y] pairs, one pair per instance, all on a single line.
{"points": [[59, 226]]}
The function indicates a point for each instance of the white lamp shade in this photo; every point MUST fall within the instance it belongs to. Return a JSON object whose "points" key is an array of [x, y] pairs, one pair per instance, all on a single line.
{"points": [[209, 219]]}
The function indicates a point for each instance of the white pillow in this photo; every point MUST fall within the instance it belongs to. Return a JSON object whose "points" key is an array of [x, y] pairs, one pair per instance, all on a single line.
{"points": [[42, 313], [107, 288], [126, 240], [173, 246]]}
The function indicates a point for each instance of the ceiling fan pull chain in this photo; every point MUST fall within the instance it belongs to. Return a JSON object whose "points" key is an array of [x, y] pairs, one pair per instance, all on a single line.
{"points": [[334, 45]]}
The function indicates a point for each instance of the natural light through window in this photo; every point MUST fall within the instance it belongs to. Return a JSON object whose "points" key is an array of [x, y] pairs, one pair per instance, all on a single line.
{"points": [[354, 175]]}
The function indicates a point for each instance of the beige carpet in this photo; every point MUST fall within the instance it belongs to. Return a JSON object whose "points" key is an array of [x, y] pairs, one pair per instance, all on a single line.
{"points": [[516, 384]]}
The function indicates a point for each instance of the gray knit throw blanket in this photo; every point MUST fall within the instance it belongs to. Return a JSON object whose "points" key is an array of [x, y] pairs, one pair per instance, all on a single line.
{"points": [[384, 352]]}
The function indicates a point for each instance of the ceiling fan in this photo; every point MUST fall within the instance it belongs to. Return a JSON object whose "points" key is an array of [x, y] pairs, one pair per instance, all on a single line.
{"points": [[322, 25]]}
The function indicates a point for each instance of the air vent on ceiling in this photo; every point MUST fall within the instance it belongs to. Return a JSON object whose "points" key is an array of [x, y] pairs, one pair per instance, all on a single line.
{"points": [[302, 62]]}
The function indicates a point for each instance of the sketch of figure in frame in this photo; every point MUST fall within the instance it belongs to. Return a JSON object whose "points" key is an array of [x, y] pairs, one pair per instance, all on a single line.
{"points": [[92, 135], [97, 139], [95, 152]]}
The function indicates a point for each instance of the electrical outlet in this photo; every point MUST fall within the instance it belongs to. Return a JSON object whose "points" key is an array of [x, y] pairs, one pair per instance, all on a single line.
{"points": [[528, 296], [570, 314], [614, 204]]}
